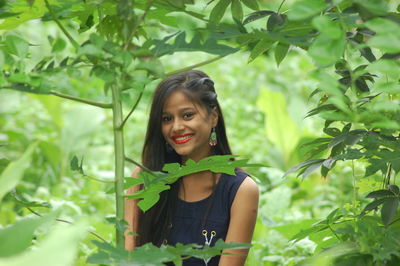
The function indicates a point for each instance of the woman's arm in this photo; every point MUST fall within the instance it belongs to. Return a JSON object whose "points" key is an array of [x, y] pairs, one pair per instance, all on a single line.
{"points": [[132, 215], [241, 226]]}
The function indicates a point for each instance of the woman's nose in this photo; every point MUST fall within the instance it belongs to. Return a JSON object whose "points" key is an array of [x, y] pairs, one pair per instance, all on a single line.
{"points": [[178, 125]]}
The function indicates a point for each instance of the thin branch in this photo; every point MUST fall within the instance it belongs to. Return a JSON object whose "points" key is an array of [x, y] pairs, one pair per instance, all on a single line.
{"points": [[74, 43], [97, 179], [67, 222], [140, 20], [77, 99], [133, 109], [279, 8], [333, 231], [144, 168], [195, 65]]}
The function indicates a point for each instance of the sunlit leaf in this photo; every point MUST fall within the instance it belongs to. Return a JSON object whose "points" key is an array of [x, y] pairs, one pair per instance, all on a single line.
{"points": [[387, 38], [326, 51], [58, 248], [16, 45], [306, 8], [14, 171], [374, 6], [18, 237]]}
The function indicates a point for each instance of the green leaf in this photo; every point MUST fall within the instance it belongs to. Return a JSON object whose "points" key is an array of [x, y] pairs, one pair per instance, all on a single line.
{"points": [[279, 126], [252, 4], [391, 68], [327, 27], [74, 164], [373, 205], [26, 203], [158, 183], [306, 8], [303, 164], [17, 46], [281, 51], [237, 11], [395, 189], [389, 210], [58, 248], [275, 21], [257, 15], [377, 7], [380, 193], [387, 37], [387, 87], [219, 10], [306, 232], [326, 51], [262, 46], [18, 237], [195, 45], [14, 171], [58, 45], [311, 168]]}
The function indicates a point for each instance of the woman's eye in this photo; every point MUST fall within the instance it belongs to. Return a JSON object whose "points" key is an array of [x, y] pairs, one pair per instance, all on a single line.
{"points": [[166, 119], [188, 115]]}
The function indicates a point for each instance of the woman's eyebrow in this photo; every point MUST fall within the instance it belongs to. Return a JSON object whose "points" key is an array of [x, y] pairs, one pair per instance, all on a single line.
{"points": [[183, 109]]}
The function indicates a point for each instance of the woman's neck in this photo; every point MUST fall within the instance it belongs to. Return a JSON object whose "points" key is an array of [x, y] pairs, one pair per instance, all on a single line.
{"points": [[197, 186]]}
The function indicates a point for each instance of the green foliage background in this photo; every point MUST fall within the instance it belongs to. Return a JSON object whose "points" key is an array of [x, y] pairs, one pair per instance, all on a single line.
{"points": [[322, 218]]}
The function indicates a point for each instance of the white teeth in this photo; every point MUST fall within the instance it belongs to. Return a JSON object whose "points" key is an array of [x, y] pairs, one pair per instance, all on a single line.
{"points": [[183, 138]]}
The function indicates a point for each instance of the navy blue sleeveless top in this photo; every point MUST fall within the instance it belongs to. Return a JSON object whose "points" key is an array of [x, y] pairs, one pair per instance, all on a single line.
{"points": [[189, 225]]}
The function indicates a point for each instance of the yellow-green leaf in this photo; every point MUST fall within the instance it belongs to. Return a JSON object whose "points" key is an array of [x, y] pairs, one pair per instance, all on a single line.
{"points": [[15, 171]]}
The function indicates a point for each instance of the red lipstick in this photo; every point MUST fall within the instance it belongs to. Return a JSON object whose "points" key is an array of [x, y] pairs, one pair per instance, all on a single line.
{"points": [[181, 139]]}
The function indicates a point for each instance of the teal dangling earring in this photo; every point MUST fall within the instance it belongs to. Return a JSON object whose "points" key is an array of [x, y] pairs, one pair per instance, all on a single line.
{"points": [[213, 138]]}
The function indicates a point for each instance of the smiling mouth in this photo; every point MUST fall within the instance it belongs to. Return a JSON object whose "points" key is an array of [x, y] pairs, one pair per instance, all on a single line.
{"points": [[181, 139]]}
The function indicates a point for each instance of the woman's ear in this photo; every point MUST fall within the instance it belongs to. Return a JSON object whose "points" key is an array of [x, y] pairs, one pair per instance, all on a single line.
{"points": [[214, 117]]}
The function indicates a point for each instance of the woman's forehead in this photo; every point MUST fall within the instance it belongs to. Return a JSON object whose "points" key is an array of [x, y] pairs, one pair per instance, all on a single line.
{"points": [[178, 100]]}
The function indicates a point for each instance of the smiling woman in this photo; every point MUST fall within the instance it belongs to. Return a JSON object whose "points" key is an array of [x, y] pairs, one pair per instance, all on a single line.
{"points": [[186, 122]]}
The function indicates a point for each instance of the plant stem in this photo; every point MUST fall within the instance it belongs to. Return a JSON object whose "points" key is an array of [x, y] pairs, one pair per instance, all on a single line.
{"points": [[77, 99], [136, 26], [195, 65], [133, 109], [333, 231], [74, 43], [119, 160], [97, 179], [279, 8], [67, 222], [140, 166]]}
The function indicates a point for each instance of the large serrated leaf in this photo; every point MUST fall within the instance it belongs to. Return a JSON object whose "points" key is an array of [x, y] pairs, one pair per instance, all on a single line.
{"points": [[159, 182]]}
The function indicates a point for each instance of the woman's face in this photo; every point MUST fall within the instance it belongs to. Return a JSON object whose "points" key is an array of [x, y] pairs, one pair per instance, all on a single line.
{"points": [[186, 126]]}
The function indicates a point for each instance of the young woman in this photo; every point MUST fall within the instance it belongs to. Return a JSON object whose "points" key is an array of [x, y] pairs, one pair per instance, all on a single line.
{"points": [[186, 122]]}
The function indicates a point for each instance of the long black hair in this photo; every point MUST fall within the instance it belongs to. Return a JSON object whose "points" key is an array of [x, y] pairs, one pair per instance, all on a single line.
{"points": [[198, 87]]}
